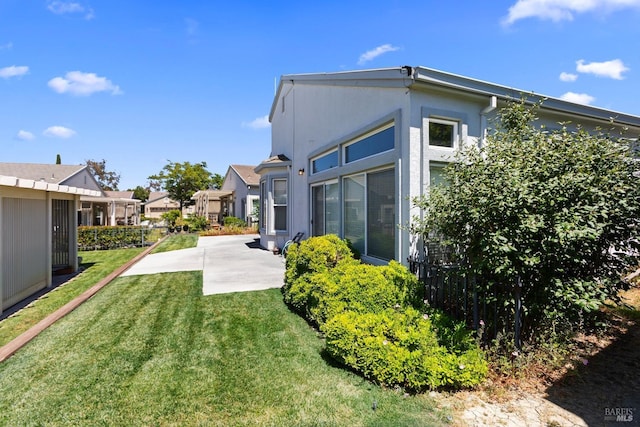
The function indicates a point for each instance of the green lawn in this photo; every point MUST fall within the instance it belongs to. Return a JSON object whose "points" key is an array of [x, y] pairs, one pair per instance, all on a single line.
{"points": [[151, 350], [96, 266], [177, 241]]}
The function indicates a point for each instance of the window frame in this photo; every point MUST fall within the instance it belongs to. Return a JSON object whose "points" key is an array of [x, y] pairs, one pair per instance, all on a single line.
{"points": [[275, 205], [345, 146], [455, 137]]}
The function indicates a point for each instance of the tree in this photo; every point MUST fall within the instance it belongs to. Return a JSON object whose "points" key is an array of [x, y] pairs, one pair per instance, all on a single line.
{"points": [[558, 208], [140, 193], [107, 180], [182, 180], [58, 159], [216, 181]]}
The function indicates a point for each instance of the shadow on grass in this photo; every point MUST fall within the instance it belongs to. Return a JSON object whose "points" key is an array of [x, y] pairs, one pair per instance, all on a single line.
{"points": [[607, 384], [57, 281]]}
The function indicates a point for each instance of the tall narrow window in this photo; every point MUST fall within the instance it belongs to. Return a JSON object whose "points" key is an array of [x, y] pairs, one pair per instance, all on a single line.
{"points": [[280, 204], [354, 211], [381, 218], [263, 205], [325, 209]]}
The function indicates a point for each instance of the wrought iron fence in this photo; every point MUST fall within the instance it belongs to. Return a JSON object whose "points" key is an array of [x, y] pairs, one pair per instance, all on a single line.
{"points": [[494, 308]]}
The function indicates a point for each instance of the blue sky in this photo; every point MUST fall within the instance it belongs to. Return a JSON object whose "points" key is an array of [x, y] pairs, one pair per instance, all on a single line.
{"points": [[139, 83]]}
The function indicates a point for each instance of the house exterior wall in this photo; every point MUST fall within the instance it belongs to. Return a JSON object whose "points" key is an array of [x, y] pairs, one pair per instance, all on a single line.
{"points": [[243, 196], [83, 179], [313, 117]]}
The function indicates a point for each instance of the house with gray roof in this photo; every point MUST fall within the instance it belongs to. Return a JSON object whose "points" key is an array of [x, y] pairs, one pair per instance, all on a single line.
{"points": [[242, 182], [38, 225], [350, 150]]}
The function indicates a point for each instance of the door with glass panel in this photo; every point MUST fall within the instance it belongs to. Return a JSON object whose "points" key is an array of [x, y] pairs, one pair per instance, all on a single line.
{"points": [[325, 209]]}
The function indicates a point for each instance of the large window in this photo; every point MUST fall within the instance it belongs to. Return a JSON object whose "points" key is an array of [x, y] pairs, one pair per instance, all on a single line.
{"points": [[325, 209], [443, 133], [369, 213], [280, 204], [375, 143]]}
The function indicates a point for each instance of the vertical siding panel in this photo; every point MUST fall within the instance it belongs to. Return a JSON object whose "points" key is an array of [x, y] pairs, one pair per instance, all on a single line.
{"points": [[24, 260]]}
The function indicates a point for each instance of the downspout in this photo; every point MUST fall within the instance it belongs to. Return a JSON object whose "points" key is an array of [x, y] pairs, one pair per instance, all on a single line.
{"points": [[493, 104]]}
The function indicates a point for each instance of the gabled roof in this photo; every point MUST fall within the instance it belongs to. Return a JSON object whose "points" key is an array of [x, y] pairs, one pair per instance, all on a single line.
{"points": [[52, 174], [247, 174], [423, 77], [120, 194], [156, 195]]}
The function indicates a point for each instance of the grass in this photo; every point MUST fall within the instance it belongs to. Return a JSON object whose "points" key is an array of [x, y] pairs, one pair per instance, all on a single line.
{"points": [[152, 350], [96, 264], [175, 242]]}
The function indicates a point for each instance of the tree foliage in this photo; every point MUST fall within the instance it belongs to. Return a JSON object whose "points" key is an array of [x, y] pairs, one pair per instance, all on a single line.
{"points": [[140, 193], [182, 180], [108, 180], [559, 208], [216, 181]]}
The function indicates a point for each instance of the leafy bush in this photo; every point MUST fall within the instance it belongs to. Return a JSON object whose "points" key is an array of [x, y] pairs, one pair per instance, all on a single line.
{"points": [[316, 254], [566, 223], [197, 222], [400, 347], [232, 221], [354, 286], [171, 217], [371, 318], [108, 237]]}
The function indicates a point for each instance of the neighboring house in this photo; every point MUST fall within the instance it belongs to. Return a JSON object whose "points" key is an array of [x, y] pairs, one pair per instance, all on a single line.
{"points": [[350, 150], [38, 232], [114, 208], [244, 184], [159, 203], [208, 203]]}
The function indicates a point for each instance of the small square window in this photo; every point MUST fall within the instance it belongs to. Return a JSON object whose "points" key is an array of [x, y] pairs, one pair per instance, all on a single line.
{"points": [[442, 133]]}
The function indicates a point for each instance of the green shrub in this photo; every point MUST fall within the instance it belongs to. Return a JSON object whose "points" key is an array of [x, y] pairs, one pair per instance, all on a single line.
{"points": [[197, 222], [111, 237], [232, 221], [316, 254], [400, 347]]}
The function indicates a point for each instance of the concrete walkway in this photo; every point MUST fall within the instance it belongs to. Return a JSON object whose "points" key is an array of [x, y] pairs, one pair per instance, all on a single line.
{"points": [[228, 264]]}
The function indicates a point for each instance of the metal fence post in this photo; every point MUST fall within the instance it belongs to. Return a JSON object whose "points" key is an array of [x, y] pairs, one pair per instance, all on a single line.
{"points": [[518, 312]]}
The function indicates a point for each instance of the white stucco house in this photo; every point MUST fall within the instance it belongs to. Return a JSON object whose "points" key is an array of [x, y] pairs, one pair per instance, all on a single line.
{"points": [[243, 184], [38, 226], [349, 150]]}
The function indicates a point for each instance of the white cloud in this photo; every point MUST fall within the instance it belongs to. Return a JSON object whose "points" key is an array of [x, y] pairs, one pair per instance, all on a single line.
{"points": [[562, 10], [24, 135], [83, 84], [63, 8], [13, 71], [59, 132], [259, 123], [612, 69], [374, 53], [578, 98], [6, 46], [568, 77]]}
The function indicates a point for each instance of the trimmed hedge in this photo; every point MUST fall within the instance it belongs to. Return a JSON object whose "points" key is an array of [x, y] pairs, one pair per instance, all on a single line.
{"points": [[374, 319], [112, 237]]}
